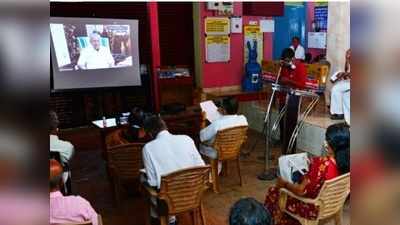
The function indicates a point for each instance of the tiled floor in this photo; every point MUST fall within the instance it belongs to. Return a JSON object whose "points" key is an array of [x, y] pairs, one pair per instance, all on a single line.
{"points": [[90, 181]]}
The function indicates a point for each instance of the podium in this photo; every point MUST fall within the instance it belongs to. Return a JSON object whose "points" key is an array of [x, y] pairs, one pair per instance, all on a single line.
{"points": [[270, 126]]}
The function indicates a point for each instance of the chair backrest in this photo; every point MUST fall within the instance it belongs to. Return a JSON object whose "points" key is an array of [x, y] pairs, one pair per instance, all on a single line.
{"points": [[84, 42], [183, 190], [333, 194], [126, 159], [116, 138], [229, 141]]}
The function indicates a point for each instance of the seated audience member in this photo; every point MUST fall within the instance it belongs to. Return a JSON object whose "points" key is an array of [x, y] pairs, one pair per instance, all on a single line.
{"points": [[67, 209], [340, 101], [335, 163], [248, 211], [65, 148], [229, 120], [165, 154], [297, 48], [135, 130]]}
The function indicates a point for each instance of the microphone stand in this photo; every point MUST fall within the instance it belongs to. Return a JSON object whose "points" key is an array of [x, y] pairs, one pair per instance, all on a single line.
{"points": [[269, 173]]}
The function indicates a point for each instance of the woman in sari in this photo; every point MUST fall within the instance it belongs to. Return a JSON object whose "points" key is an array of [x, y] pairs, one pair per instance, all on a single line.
{"points": [[335, 163]]}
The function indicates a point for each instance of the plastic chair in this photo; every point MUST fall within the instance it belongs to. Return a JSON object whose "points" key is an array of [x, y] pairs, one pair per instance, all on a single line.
{"points": [[180, 192], [330, 200]]}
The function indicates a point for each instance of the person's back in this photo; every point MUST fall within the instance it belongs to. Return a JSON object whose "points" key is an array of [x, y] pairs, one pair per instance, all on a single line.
{"points": [[67, 209], [168, 153], [65, 148], [229, 120]]}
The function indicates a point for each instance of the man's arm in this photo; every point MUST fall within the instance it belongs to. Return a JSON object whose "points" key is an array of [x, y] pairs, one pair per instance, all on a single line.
{"points": [[68, 151], [197, 160], [82, 64], [149, 167], [302, 54], [206, 134], [90, 213]]}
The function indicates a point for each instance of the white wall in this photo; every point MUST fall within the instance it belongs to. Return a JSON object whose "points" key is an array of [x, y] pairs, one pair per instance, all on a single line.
{"points": [[338, 36]]}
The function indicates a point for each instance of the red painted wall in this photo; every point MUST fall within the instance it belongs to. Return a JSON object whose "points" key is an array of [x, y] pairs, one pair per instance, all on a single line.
{"points": [[229, 73], [310, 17]]}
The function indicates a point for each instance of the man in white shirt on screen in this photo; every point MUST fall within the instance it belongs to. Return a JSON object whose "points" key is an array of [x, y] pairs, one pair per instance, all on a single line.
{"points": [[228, 120], [95, 56], [165, 154], [299, 52]]}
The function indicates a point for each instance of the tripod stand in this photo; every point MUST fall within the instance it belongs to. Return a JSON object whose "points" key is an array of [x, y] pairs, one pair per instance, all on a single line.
{"points": [[269, 173]]}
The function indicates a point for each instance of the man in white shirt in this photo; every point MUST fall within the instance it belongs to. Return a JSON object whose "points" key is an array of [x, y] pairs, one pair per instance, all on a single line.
{"points": [[166, 153], [95, 56], [228, 120], [299, 52], [65, 148], [340, 93]]}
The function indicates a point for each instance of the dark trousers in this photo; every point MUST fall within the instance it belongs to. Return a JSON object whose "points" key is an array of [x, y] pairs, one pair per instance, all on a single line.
{"points": [[288, 122]]}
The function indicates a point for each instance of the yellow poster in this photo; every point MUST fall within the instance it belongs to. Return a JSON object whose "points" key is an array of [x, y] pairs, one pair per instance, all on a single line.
{"points": [[217, 48], [217, 25], [253, 33]]}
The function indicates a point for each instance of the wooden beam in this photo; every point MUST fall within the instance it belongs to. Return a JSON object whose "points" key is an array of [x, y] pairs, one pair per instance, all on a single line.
{"points": [[152, 9]]}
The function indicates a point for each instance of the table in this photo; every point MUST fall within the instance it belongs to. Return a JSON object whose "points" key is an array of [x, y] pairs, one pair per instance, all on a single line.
{"points": [[110, 126], [187, 122]]}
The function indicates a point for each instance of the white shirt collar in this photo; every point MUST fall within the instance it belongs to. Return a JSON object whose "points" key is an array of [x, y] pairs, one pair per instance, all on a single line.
{"points": [[163, 134], [53, 136]]}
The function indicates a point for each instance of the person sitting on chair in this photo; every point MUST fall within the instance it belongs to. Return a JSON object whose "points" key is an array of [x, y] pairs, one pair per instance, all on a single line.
{"points": [[248, 211], [65, 148], [340, 93], [229, 120], [135, 131], [67, 209], [335, 163], [165, 154]]}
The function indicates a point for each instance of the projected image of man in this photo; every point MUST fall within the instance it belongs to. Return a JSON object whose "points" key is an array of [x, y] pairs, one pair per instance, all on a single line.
{"points": [[95, 56]]}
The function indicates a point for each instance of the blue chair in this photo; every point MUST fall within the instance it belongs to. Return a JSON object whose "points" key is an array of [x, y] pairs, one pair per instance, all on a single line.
{"points": [[83, 42]]}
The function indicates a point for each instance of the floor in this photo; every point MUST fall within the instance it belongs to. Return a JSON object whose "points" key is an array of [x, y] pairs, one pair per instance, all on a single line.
{"points": [[90, 181]]}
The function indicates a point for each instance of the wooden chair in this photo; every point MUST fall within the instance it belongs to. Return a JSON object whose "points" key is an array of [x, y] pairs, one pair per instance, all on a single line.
{"points": [[330, 200], [115, 138], [228, 143], [180, 192], [124, 163], [100, 222]]}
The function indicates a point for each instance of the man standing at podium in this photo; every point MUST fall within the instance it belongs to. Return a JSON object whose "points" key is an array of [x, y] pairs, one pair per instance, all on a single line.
{"points": [[293, 75]]}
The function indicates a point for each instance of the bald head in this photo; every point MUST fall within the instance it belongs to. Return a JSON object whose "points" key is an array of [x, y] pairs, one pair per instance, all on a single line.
{"points": [[95, 40], [55, 174]]}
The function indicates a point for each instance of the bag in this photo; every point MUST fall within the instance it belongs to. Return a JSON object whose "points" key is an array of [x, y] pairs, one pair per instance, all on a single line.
{"points": [[293, 167]]}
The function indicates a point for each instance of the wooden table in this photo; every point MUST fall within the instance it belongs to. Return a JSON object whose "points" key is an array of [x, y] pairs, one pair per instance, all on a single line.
{"points": [[187, 122], [104, 130]]}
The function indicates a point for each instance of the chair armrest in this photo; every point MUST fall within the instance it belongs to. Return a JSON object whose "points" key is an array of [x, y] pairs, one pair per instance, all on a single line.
{"points": [[151, 191], [283, 193], [208, 144]]}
